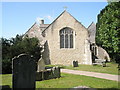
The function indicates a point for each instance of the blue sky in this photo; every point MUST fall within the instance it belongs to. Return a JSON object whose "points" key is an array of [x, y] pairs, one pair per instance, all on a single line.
{"points": [[18, 17]]}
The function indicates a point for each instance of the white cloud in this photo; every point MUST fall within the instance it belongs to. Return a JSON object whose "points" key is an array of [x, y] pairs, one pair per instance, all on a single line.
{"points": [[49, 17], [38, 19], [46, 18]]}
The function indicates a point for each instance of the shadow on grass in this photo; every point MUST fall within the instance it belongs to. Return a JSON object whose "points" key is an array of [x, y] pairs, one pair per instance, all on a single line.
{"points": [[7, 87], [77, 89], [108, 89], [4, 87]]}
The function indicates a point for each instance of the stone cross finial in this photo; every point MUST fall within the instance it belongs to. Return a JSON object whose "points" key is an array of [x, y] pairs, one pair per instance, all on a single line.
{"points": [[65, 7]]}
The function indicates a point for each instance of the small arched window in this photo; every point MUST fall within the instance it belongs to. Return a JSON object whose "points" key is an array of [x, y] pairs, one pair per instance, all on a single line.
{"points": [[66, 38]]}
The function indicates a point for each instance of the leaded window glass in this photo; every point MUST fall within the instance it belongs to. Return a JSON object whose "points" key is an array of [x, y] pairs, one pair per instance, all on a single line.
{"points": [[66, 38]]}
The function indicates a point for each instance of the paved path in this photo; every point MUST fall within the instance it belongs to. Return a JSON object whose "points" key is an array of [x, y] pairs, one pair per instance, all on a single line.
{"points": [[92, 74]]}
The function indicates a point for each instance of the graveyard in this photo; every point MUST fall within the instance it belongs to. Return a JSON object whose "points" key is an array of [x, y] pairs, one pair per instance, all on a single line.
{"points": [[67, 81], [70, 80], [111, 68], [27, 74], [64, 53]]}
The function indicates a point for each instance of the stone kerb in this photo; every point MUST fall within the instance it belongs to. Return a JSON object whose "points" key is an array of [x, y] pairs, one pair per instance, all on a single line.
{"points": [[100, 62], [48, 74], [23, 71]]}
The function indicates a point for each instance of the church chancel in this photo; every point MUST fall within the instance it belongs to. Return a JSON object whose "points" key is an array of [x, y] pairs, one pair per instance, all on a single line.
{"points": [[66, 40]]}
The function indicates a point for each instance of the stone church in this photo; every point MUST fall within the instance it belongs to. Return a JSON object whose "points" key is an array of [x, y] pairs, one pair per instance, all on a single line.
{"points": [[66, 40]]}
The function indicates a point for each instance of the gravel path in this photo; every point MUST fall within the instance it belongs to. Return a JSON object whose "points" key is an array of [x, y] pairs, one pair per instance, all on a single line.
{"points": [[93, 74]]}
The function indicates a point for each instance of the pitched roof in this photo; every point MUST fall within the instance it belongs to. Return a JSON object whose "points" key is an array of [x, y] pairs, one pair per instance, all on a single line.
{"points": [[92, 32], [43, 26], [29, 29], [61, 15], [92, 28], [91, 25]]}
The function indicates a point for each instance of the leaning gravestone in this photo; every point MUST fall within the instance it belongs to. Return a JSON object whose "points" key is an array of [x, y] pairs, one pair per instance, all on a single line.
{"points": [[23, 72], [41, 65]]}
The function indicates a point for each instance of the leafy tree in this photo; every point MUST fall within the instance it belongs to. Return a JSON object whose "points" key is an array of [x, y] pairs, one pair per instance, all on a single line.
{"points": [[5, 48], [27, 45], [108, 30], [15, 46]]}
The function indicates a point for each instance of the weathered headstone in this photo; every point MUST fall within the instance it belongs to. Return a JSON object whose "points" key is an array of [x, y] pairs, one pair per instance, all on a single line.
{"points": [[46, 74], [23, 72], [56, 72], [39, 76], [75, 63], [50, 74], [41, 65], [53, 71], [104, 64]]}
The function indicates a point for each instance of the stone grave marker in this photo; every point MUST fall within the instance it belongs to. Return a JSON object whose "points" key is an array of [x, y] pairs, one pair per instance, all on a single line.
{"points": [[75, 63], [53, 71], [46, 74], [23, 71], [104, 64], [56, 72], [39, 76], [41, 65]]}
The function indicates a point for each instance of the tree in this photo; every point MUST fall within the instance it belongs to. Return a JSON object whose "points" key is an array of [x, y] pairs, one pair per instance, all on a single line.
{"points": [[108, 30], [5, 48], [27, 45], [15, 46]]}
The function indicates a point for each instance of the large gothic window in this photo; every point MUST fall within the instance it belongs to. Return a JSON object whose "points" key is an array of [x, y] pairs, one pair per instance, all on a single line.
{"points": [[66, 38]]}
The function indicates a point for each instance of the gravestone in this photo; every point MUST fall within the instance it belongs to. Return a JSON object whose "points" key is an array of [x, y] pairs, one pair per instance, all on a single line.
{"points": [[104, 64], [46, 74], [53, 71], [41, 65], [56, 72], [39, 76], [75, 63], [23, 71]]}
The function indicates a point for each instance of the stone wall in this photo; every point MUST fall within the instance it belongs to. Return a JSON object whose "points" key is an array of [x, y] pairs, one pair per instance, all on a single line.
{"points": [[66, 56], [102, 54], [35, 31], [92, 32]]}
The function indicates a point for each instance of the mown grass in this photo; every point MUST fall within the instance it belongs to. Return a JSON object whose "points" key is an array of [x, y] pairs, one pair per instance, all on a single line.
{"points": [[6, 79], [68, 81], [111, 68]]}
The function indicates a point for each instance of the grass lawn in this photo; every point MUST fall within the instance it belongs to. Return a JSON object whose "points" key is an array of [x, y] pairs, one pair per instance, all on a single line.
{"points": [[111, 68], [67, 81]]}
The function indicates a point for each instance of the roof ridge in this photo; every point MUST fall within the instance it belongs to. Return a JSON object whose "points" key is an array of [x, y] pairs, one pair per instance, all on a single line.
{"points": [[60, 15], [90, 25], [54, 20], [76, 20], [29, 29]]}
